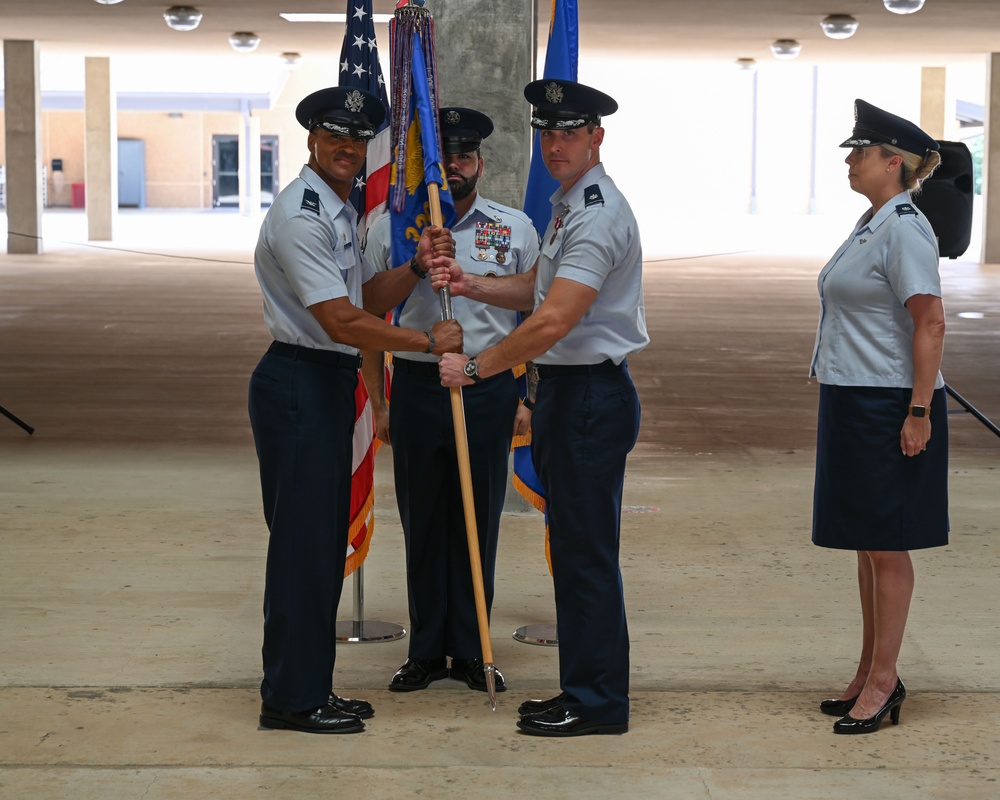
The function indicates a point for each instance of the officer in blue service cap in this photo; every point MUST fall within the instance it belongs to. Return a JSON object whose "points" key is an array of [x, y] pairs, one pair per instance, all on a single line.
{"points": [[589, 316], [342, 110], [318, 307], [563, 105], [495, 241], [882, 400], [463, 129], [873, 126]]}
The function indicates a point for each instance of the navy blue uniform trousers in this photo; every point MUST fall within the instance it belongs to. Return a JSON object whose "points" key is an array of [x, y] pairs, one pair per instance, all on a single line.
{"points": [[302, 415], [585, 422], [441, 598]]}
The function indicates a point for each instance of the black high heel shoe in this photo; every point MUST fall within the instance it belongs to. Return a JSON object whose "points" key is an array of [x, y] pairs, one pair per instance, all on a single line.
{"points": [[891, 707], [838, 708]]}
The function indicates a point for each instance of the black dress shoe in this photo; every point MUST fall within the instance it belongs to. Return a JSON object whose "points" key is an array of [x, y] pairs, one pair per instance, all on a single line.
{"points": [[325, 719], [560, 722], [473, 672], [360, 708], [837, 708], [418, 673], [891, 707], [541, 706]]}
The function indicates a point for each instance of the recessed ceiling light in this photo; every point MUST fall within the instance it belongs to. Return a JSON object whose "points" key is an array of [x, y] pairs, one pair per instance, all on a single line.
{"points": [[785, 49], [903, 6], [182, 18], [839, 26], [244, 41]]}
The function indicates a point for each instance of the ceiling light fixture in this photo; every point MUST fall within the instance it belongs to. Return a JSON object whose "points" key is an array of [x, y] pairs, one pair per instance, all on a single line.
{"points": [[107, 2], [785, 49], [747, 64], [903, 6], [291, 59], [244, 41], [293, 16], [182, 18], [839, 26]]}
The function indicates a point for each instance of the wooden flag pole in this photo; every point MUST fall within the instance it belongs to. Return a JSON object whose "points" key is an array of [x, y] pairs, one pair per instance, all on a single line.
{"points": [[465, 477]]}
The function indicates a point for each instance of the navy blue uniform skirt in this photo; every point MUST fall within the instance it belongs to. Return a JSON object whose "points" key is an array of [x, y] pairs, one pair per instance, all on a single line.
{"points": [[868, 495]]}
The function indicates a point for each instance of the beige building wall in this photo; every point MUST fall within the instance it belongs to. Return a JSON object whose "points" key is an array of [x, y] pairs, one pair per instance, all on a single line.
{"points": [[175, 156], [63, 136], [179, 145], [178, 151]]}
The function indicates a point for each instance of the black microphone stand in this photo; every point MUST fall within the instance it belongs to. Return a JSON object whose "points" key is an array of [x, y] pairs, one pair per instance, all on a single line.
{"points": [[31, 430], [967, 406]]}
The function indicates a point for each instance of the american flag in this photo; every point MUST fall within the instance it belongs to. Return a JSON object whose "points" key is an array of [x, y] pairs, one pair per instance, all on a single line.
{"points": [[359, 67]]}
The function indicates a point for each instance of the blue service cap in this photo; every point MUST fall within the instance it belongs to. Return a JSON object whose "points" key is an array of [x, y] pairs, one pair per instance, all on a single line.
{"points": [[873, 126], [463, 129], [563, 104], [342, 110]]}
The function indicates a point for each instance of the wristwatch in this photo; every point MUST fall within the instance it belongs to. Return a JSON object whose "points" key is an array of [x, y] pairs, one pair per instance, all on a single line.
{"points": [[919, 411], [471, 369], [415, 268]]}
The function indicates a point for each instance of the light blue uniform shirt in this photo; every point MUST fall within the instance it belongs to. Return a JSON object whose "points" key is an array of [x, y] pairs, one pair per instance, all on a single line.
{"points": [[865, 333], [491, 239], [593, 239], [307, 252]]}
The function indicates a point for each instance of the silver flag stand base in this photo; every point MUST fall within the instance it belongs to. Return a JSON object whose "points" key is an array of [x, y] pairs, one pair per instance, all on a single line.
{"points": [[360, 629], [369, 630], [540, 634]]}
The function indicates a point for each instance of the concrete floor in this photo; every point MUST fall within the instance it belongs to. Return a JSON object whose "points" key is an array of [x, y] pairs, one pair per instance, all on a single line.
{"points": [[133, 543]]}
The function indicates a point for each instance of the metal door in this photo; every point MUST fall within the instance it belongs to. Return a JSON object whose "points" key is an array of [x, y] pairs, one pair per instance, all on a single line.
{"points": [[131, 173], [226, 165]]}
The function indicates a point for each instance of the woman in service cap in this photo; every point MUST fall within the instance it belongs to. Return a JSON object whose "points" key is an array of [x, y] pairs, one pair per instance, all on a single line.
{"points": [[881, 485]]}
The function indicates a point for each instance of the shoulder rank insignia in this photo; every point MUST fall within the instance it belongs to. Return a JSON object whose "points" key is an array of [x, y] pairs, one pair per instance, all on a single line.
{"points": [[310, 201], [592, 196], [906, 208]]}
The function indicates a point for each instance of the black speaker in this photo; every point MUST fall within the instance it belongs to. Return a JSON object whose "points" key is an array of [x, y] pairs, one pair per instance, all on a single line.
{"points": [[946, 199]]}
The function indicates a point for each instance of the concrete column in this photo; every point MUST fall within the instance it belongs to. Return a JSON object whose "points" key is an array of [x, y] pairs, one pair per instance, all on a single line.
{"points": [[101, 143], [933, 115], [241, 166], [23, 142], [253, 163], [991, 163], [485, 56], [248, 173], [485, 52]]}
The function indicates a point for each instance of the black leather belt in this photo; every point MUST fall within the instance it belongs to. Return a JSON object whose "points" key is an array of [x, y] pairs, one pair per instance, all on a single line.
{"points": [[416, 367], [558, 370], [329, 358]]}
